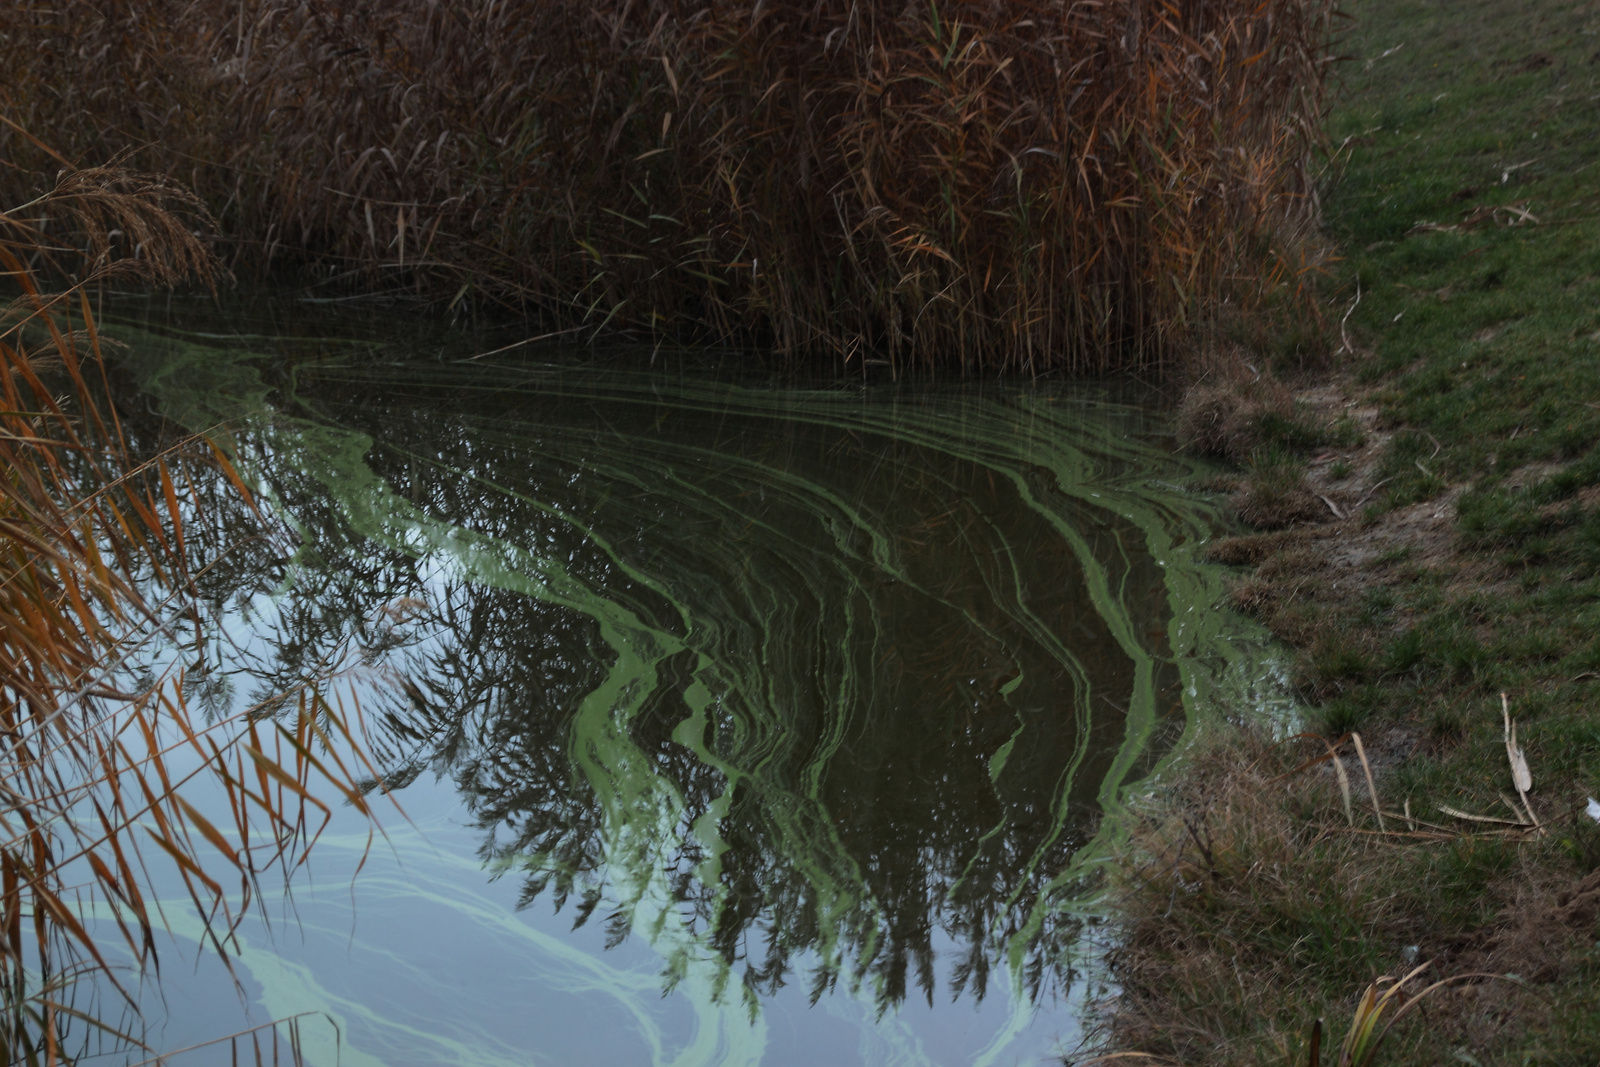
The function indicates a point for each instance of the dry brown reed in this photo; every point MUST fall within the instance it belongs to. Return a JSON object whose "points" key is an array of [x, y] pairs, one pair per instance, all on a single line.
{"points": [[1059, 184], [99, 769]]}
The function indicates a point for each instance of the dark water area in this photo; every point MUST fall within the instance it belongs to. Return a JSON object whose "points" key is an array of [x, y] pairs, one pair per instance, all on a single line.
{"points": [[737, 718]]}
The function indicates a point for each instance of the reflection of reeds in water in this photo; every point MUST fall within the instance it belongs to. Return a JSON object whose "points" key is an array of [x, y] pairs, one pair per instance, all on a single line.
{"points": [[93, 567], [891, 698], [1006, 186]]}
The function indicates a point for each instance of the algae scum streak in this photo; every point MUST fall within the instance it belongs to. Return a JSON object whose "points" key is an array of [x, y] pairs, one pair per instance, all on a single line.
{"points": [[735, 721]]}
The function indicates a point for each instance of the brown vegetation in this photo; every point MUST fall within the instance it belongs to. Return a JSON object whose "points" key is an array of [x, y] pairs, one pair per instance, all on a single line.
{"points": [[1061, 184], [1232, 416], [1265, 898], [93, 567]]}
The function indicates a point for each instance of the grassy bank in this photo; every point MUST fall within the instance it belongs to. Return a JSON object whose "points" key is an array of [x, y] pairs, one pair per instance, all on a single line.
{"points": [[1047, 186], [1446, 550]]}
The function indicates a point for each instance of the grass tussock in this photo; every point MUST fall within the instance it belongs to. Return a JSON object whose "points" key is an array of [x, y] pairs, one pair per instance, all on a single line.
{"points": [[97, 760], [1055, 185], [1276, 495], [1235, 412], [1255, 422], [1232, 419]]}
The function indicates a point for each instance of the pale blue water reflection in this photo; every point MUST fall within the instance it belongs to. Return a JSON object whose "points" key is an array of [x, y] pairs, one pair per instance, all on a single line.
{"points": [[809, 699]]}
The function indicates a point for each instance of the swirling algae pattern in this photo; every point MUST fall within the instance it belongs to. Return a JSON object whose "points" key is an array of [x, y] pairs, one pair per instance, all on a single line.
{"points": [[864, 674]]}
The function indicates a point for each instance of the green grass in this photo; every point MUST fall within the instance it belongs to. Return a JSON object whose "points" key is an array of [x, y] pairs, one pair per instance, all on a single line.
{"points": [[1484, 346], [1487, 338], [1481, 345]]}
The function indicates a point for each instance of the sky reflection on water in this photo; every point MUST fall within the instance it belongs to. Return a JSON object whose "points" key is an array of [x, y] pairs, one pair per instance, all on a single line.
{"points": [[807, 700]]}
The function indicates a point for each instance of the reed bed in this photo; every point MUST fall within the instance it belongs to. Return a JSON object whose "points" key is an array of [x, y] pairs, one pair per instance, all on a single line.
{"points": [[1058, 184], [101, 768]]}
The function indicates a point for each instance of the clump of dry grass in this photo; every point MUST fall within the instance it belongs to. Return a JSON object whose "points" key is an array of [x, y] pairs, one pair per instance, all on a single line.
{"points": [[1275, 494], [93, 564], [1262, 894], [1232, 418], [984, 185], [1235, 406], [1253, 549], [1237, 413], [1242, 878]]}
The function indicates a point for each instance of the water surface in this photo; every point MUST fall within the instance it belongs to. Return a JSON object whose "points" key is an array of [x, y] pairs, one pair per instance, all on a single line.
{"points": [[738, 719]]}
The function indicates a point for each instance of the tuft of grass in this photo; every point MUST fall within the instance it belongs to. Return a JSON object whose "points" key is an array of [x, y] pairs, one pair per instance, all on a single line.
{"points": [[1235, 419], [1348, 713], [1406, 652], [1345, 432], [1276, 494]]}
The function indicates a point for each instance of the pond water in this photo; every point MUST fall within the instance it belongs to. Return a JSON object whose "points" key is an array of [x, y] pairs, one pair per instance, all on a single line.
{"points": [[736, 718]]}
